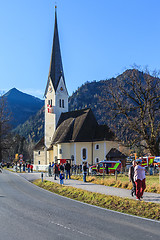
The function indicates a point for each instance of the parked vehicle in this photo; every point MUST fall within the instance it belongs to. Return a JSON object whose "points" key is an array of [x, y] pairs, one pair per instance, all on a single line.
{"points": [[147, 161], [156, 162], [106, 167]]}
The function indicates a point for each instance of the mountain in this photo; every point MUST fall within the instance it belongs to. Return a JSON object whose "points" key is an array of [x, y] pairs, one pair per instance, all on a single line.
{"points": [[89, 95], [33, 128], [21, 106], [86, 96]]}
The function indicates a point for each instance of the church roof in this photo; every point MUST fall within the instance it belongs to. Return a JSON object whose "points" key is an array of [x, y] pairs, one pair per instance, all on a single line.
{"points": [[80, 126], [114, 153], [56, 67], [40, 144]]}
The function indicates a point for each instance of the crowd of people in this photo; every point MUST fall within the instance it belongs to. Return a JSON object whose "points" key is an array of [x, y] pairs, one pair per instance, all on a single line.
{"points": [[23, 167], [137, 177], [63, 170]]}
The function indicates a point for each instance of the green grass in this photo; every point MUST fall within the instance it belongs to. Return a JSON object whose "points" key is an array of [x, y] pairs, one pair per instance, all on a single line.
{"points": [[152, 179], [152, 182], [125, 205]]}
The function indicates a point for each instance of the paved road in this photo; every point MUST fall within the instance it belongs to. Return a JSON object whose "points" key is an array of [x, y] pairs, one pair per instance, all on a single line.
{"points": [[28, 212]]}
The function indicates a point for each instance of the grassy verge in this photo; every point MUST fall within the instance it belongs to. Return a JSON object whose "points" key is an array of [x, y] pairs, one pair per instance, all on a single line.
{"points": [[152, 182], [125, 205]]}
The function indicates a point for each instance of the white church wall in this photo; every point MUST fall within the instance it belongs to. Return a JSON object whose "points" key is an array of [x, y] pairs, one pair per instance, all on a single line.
{"points": [[98, 151], [61, 100], [39, 157], [50, 122], [79, 155], [55, 152], [64, 151]]}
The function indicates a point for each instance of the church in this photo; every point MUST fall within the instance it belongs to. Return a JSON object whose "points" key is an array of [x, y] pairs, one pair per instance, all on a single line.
{"points": [[75, 136]]}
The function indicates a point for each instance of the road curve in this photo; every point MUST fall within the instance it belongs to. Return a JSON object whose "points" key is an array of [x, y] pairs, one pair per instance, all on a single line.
{"points": [[28, 212]]}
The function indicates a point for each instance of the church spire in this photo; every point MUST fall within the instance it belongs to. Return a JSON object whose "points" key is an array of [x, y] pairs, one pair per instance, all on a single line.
{"points": [[56, 67]]}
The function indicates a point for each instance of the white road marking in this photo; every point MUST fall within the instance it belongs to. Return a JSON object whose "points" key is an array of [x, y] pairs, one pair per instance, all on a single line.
{"points": [[71, 229]]}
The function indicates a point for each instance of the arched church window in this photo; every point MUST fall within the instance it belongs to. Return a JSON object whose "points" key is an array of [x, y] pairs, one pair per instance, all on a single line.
{"points": [[60, 103], [96, 160], [97, 146], [84, 154], [60, 151]]}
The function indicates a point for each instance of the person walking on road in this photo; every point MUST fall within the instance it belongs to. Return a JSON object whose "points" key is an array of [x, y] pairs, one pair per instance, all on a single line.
{"points": [[61, 177], [84, 171], [49, 170], [20, 167], [131, 178], [0, 167], [28, 166], [31, 167], [138, 176], [24, 167], [55, 171], [143, 182], [67, 169], [61, 168]]}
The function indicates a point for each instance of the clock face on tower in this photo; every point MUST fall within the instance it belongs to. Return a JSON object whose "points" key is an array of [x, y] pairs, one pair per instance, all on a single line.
{"points": [[61, 89]]}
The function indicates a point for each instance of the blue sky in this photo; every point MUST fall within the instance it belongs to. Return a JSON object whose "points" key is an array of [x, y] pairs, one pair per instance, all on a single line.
{"points": [[99, 40]]}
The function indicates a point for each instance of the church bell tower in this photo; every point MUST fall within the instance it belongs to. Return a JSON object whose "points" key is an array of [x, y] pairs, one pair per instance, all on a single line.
{"points": [[56, 94]]}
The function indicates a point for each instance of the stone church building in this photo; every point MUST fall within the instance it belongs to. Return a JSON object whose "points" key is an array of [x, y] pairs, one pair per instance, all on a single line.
{"points": [[75, 135]]}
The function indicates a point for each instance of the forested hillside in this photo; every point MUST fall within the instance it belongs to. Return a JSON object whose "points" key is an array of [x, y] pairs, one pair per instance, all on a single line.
{"points": [[33, 129], [94, 95], [90, 95]]}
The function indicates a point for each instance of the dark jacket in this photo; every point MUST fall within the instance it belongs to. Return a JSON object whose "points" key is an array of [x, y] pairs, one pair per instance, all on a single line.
{"points": [[85, 168], [131, 173], [55, 169], [67, 167], [61, 168]]}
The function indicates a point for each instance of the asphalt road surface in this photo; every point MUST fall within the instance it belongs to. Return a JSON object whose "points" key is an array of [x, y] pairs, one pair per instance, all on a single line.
{"points": [[30, 213]]}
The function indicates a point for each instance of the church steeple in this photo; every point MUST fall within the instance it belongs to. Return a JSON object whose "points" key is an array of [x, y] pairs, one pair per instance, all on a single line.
{"points": [[56, 94], [56, 67]]}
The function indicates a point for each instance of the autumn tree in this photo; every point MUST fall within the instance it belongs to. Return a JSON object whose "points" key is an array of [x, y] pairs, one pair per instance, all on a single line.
{"points": [[135, 104]]}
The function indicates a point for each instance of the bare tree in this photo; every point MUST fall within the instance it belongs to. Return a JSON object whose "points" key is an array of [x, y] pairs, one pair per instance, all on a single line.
{"points": [[135, 104], [4, 127]]}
